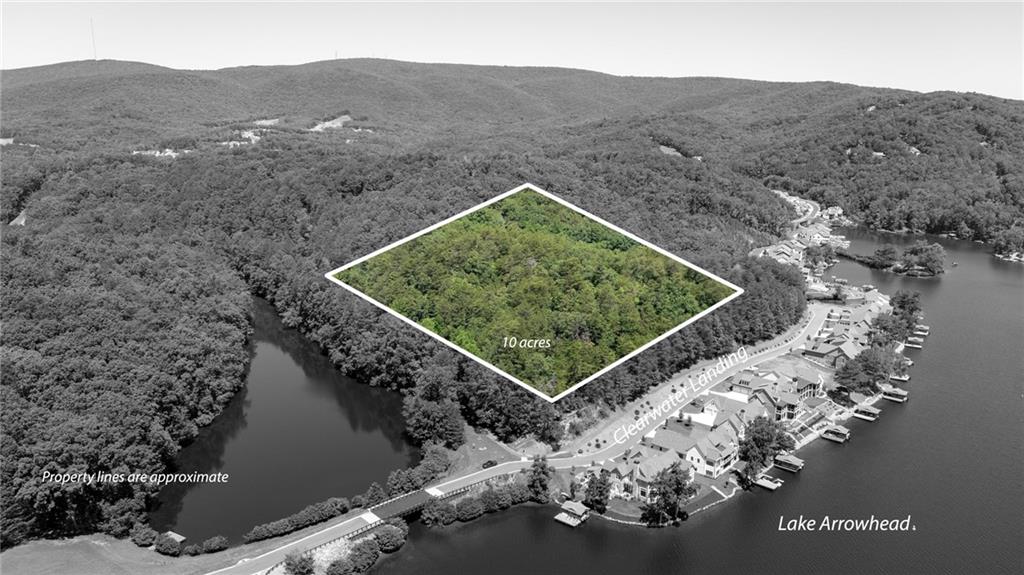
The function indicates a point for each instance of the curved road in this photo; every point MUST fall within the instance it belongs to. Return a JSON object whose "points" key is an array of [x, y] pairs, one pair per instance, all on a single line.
{"points": [[776, 347], [781, 345]]}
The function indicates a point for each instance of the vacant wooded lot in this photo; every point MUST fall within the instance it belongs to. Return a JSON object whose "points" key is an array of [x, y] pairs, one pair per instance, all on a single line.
{"points": [[537, 289]]}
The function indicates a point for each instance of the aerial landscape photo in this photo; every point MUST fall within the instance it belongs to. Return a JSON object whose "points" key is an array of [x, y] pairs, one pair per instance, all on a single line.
{"points": [[537, 289], [502, 287]]}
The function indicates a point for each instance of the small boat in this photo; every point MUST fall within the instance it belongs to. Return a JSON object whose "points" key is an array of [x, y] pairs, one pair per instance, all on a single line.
{"points": [[903, 377], [914, 346], [866, 412], [790, 463], [836, 433], [768, 482], [955, 264], [917, 340], [908, 362]]}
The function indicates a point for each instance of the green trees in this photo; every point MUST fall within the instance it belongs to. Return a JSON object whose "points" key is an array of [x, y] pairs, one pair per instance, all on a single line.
{"points": [[361, 557], [864, 372], [215, 544], [530, 269], [427, 420], [364, 554], [375, 494], [670, 491], [930, 257], [438, 512], [390, 538], [598, 491], [310, 515], [341, 566], [762, 441], [537, 478], [143, 535], [886, 255], [815, 255], [167, 546], [469, 509]]}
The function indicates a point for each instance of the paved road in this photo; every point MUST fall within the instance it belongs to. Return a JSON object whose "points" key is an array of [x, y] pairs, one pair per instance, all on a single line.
{"points": [[769, 350], [782, 345]]}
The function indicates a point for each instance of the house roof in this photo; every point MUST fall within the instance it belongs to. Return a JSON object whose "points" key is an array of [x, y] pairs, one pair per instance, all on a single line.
{"points": [[789, 398], [649, 468], [850, 349], [671, 440]]}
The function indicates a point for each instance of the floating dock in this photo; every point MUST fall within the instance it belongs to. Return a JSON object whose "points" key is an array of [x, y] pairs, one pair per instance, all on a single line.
{"points": [[573, 513], [790, 463], [894, 393], [768, 482], [837, 433], [866, 412]]}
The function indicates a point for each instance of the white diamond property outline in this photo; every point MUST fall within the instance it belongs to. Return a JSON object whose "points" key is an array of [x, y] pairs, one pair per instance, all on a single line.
{"points": [[737, 291]]}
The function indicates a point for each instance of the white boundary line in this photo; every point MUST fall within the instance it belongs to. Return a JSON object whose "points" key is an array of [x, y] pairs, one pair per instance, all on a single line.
{"points": [[737, 291]]}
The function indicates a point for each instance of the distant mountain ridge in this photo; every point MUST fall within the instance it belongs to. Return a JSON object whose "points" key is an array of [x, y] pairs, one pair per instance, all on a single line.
{"points": [[418, 96], [890, 157]]}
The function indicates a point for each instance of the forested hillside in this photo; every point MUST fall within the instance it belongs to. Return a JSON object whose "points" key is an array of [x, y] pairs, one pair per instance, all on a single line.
{"points": [[529, 268], [126, 291]]}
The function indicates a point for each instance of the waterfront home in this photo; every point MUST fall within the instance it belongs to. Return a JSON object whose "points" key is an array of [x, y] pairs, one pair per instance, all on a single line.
{"points": [[833, 351], [710, 454], [634, 475], [779, 393], [713, 411]]}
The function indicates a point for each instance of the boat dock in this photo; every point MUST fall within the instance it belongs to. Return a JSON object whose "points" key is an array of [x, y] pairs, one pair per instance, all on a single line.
{"points": [[893, 393], [573, 513], [768, 482], [837, 433], [866, 412], [790, 463]]}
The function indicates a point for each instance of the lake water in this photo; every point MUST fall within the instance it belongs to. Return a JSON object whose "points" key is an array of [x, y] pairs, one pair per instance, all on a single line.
{"points": [[952, 458], [297, 433]]}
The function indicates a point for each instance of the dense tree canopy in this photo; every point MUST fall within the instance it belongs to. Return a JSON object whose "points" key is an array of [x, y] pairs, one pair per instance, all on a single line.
{"points": [[126, 292], [762, 441], [537, 289], [670, 491]]}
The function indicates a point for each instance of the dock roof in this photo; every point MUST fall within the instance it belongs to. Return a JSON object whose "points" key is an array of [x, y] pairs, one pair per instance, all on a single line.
{"points": [[575, 507]]}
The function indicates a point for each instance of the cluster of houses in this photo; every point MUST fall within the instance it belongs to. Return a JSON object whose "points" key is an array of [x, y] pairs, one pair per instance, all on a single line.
{"points": [[846, 330], [817, 232], [703, 436]]}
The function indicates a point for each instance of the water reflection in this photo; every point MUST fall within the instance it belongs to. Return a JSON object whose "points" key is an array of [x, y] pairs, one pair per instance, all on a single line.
{"points": [[298, 433]]}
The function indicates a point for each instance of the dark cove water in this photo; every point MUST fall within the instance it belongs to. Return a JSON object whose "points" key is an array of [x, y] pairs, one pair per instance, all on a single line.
{"points": [[952, 458], [297, 433]]}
